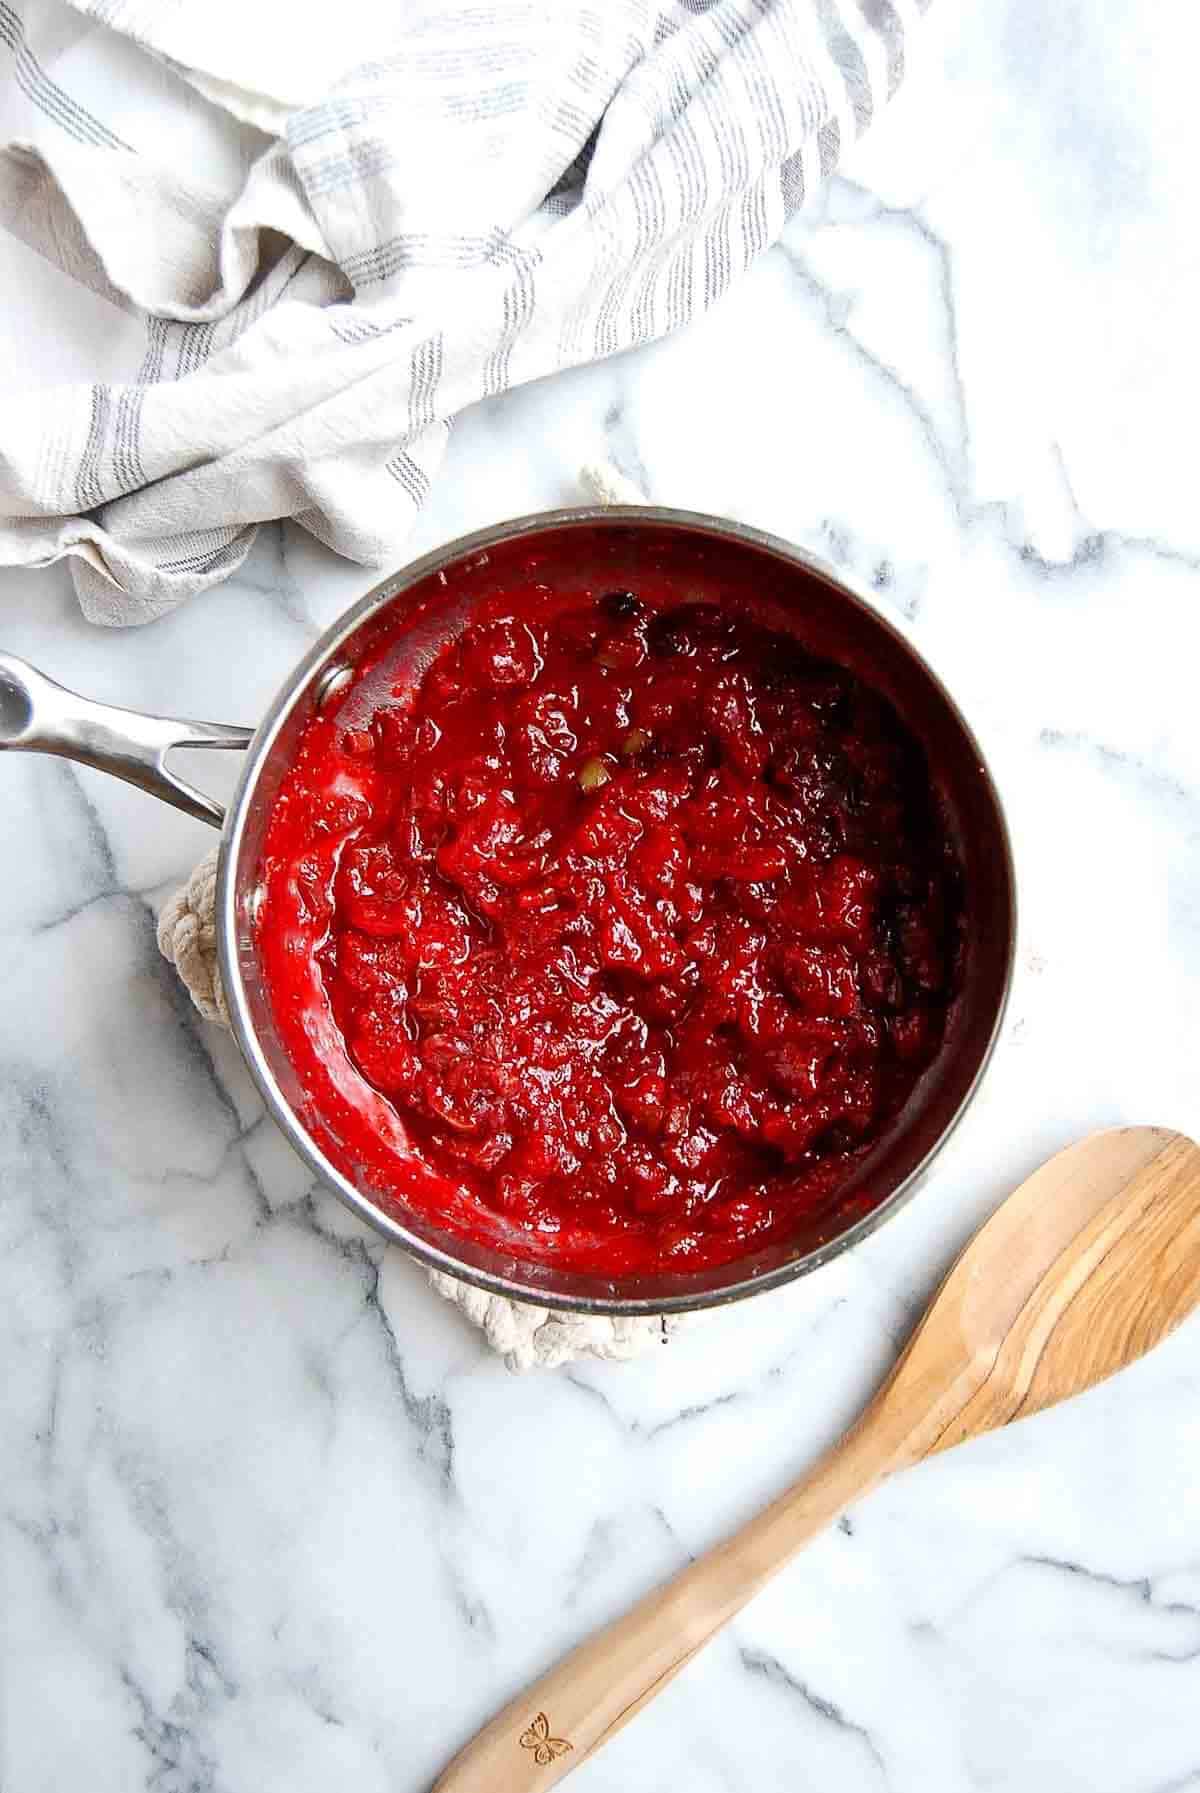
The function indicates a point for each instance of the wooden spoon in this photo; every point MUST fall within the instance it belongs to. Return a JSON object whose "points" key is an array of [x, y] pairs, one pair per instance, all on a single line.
{"points": [[1093, 1260]]}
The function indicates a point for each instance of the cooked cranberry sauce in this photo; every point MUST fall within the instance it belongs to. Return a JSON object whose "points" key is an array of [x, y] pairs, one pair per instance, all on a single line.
{"points": [[641, 919]]}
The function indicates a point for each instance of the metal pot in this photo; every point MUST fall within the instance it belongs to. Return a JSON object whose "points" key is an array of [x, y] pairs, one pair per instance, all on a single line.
{"points": [[583, 546]]}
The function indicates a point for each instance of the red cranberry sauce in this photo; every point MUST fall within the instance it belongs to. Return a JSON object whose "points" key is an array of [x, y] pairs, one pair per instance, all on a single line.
{"points": [[640, 920]]}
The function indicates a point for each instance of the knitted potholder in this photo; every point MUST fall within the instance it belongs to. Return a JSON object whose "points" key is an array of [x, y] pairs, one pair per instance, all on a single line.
{"points": [[524, 1335]]}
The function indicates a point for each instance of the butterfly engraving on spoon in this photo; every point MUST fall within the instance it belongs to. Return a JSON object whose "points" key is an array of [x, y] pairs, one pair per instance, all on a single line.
{"points": [[545, 1747]]}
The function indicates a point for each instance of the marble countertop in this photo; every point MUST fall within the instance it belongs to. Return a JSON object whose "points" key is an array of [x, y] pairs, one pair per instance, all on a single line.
{"points": [[271, 1517]]}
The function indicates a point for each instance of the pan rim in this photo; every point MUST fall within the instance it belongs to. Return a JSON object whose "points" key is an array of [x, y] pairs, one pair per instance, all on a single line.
{"points": [[293, 690]]}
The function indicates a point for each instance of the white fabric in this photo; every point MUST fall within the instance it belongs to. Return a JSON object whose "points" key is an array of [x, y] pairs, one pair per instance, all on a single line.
{"points": [[527, 1337], [322, 233]]}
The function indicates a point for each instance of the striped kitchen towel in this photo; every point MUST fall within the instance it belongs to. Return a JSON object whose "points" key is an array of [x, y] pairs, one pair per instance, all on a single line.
{"points": [[312, 235]]}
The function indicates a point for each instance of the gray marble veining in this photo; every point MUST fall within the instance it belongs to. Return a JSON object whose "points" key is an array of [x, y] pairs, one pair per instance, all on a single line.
{"points": [[270, 1516]]}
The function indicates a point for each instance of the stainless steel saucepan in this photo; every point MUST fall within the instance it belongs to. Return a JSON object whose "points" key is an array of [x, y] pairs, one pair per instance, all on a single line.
{"points": [[572, 547]]}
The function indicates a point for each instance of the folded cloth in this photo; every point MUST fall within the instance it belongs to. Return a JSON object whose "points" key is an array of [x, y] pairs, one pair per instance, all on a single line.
{"points": [[525, 1335], [326, 232]]}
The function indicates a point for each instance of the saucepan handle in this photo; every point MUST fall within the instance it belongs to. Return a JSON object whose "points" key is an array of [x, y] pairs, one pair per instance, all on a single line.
{"points": [[38, 716]]}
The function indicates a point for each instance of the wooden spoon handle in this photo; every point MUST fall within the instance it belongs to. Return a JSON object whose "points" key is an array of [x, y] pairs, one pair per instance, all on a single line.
{"points": [[586, 1698]]}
